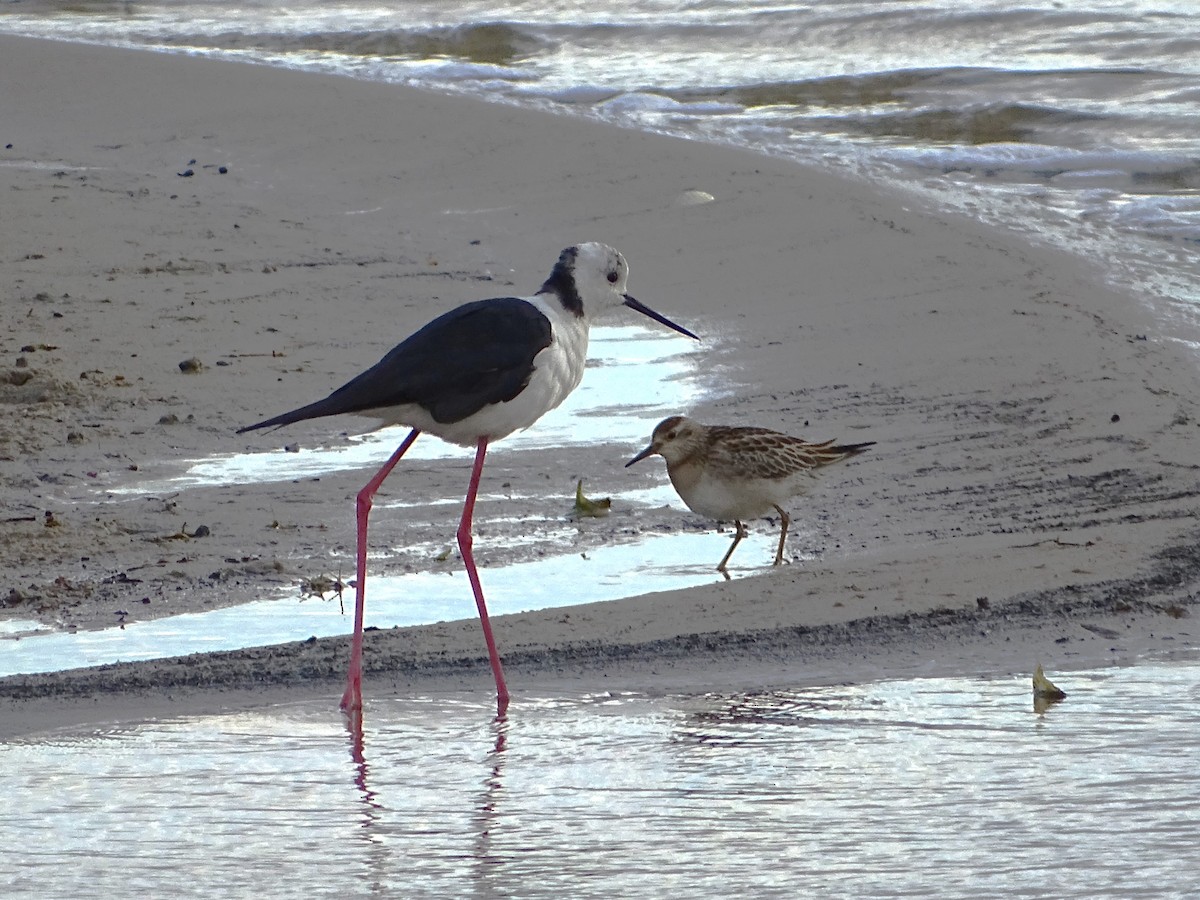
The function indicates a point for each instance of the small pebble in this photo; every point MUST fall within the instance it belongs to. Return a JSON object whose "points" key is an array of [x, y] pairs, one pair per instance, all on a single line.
{"points": [[186, 173], [16, 597], [191, 366]]}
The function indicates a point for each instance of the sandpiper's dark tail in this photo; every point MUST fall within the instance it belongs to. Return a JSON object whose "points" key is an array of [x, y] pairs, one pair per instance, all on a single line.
{"points": [[852, 449], [828, 453]]}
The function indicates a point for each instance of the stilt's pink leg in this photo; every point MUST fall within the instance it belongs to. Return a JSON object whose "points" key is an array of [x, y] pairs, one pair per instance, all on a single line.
{"points": [[352, 698], [464, 544]]}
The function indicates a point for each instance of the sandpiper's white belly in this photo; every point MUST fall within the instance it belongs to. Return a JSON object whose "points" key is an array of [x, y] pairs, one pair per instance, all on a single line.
{"points": [[722, 497]]}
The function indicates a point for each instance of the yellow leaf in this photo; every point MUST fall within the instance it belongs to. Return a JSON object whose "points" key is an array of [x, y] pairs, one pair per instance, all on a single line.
{"points": [[590, 508]]}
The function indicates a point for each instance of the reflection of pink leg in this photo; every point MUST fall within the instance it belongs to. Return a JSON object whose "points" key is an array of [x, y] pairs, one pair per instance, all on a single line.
{"points": [[464, 544], [352, 698]]}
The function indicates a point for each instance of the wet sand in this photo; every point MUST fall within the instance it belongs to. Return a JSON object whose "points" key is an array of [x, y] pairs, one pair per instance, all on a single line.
{"points": [[1032, 494]]}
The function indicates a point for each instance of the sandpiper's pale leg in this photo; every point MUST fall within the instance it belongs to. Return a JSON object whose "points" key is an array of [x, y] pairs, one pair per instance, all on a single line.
{"points": [[741, 533], [352, 698], [784, 520]]}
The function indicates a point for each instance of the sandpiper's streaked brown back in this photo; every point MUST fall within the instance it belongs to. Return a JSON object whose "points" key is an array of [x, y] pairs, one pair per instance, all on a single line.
{"points": [[740, 472]]}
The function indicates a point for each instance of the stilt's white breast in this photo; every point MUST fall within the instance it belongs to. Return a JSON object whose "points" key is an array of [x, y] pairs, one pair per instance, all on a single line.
{"points": [[557, 370]]}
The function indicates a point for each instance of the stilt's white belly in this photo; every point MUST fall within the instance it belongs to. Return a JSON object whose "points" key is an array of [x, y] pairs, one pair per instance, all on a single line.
{"points": [[557, 370]]}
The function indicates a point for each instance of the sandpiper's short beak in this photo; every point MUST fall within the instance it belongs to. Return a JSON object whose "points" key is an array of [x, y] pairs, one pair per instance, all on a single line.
{"points": [[649, 451], [657, 317]]}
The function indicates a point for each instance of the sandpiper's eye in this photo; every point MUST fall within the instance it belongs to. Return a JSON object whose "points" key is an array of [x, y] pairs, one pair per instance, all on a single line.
{"points": [[612, 277], [670, 435]]}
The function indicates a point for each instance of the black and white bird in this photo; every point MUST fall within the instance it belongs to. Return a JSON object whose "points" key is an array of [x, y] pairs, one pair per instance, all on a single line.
{"points": [[472, 376]]}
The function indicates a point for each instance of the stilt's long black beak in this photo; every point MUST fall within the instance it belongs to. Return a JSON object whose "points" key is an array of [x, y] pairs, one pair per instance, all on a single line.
{"points": [[657, 317]]}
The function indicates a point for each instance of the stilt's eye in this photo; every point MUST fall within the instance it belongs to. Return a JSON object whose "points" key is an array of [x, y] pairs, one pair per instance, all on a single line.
{"points": [[612, 277]]}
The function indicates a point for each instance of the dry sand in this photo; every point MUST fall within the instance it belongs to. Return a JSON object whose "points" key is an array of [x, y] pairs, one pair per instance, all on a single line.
{"points": [[1036, 436]]}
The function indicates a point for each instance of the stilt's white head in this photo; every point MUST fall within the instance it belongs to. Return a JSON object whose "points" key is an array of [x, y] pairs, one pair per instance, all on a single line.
{"points": [[591, 278]]}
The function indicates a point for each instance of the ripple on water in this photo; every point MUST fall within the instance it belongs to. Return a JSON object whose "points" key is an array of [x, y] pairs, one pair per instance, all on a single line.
{"points": [[926, 787]]}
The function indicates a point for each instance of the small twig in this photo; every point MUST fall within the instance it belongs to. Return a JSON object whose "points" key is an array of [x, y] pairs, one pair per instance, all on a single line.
{"points": [[1057, 541]]}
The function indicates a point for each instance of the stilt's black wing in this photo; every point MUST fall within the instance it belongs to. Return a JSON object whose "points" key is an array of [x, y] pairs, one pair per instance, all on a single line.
{"points": [[478, 354]]}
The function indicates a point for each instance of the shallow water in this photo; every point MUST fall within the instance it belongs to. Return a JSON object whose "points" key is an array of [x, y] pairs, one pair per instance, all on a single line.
{"points": [[417, 598], [944, 787]]}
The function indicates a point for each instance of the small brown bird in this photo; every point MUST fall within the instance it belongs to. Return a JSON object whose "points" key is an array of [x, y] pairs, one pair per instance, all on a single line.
{"points": [[739, 473]]}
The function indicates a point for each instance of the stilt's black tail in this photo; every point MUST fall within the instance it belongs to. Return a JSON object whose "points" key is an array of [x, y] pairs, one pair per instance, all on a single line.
{"points": [[330, 406]]}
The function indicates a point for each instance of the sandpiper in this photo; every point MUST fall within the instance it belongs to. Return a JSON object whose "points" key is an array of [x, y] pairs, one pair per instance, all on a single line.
{"points": [[726, 472], [472, 376]]}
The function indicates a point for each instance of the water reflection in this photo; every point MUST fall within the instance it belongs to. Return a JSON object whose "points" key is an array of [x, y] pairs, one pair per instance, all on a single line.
{"points": [[821, 791], [377, 855], [488, 813], [391, 781], [732, 721], [358, 755]]}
